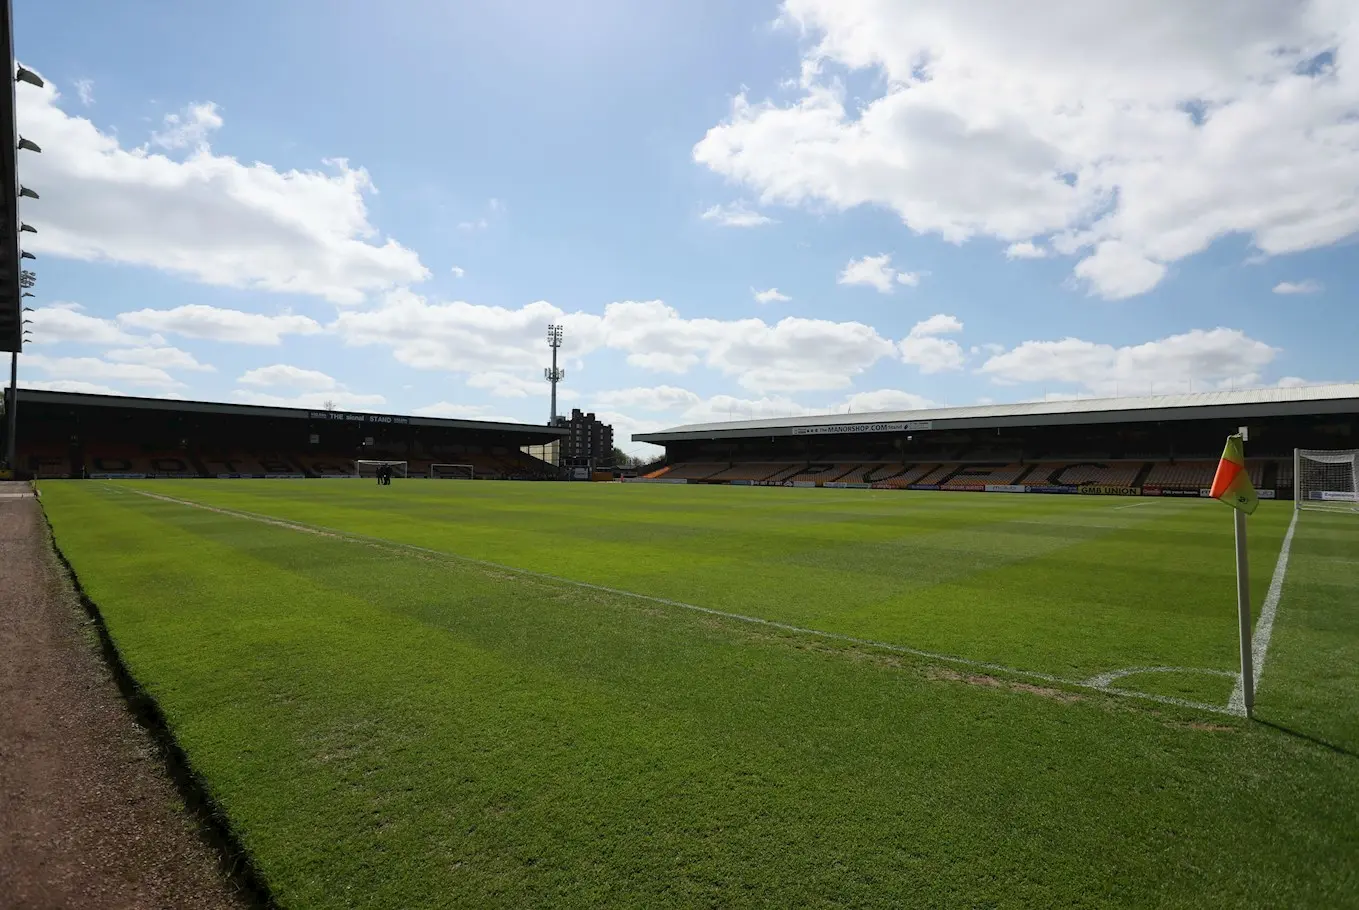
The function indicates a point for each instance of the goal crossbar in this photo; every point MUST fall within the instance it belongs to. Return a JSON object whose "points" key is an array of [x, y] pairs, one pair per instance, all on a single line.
{"points": [[372, 464], [1326, 479], [440, 471]]}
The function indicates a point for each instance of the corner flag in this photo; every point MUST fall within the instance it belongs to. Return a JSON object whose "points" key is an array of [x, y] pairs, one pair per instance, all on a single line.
{"points": [[1232, 484]]}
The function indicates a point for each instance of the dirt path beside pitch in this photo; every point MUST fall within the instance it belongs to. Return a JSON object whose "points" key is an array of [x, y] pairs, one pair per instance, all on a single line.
{"points": [[90, 819]]}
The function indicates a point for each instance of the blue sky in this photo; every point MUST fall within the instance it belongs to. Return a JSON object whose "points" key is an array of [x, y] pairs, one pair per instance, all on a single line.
{"points": [[308, 201]]}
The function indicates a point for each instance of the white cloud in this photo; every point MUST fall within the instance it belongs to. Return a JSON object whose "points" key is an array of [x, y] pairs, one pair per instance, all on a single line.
{"points": [[85, 91], [1023, 121], [457, 271], [1198, 359], [190, 129], [653, 399], [494, 208], [728, 407], [737, 214], [202, 215], [792, 354], [508, 385], [1297, 382], [771, 295], [288, 376], [346, 400], [69, 385], [1298, 287], [1025, 249], [58, 322], [462, 412], [88, 369], [1116, 270], [887, 400], [463, 337], [876, 272], [196, 320], [164, 357], [924, 348]]}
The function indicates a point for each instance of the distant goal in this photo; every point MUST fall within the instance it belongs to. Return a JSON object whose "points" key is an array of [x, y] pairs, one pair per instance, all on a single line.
{"points": [[452, 472], [1326, 479], [368, 467]]}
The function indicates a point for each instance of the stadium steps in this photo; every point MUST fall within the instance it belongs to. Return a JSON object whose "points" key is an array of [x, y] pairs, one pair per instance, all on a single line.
{"points": [[844, 474], [196, 463], [1040, 474], [1142, 473], [785, 474], [659, 473], [1023, 475], [884, 472], [818, 471]]}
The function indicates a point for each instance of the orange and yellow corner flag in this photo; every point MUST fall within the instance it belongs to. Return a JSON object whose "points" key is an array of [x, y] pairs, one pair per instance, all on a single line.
{"points": [[1232, 484]]}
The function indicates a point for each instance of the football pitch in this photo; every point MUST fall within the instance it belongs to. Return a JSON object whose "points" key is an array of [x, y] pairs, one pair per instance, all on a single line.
{"points": [[577, 695]]}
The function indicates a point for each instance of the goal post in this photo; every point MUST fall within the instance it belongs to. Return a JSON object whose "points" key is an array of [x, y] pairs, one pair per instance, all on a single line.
{"points": [[1326, 479], [368, 467], [452, 472]]}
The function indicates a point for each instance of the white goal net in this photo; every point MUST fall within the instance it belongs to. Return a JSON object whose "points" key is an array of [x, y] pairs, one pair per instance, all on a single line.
{"points": [[1326, 479], [452, 472], [369, 467]]}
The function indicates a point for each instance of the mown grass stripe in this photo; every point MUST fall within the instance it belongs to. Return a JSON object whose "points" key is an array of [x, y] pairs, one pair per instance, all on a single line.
{"points": [[735, 617]]}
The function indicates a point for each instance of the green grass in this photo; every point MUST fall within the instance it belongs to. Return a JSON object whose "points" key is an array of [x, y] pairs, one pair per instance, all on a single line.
{"points": [[397, 727]]}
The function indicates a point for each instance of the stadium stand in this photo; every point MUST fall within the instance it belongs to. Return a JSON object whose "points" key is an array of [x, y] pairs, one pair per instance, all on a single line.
{"points": [[73, 434], [697, 470], [759, 470], [1152, 444], [1075, 473], [47, 461], [821, 471], [326, 465], [967, 476], [1190, 475]]}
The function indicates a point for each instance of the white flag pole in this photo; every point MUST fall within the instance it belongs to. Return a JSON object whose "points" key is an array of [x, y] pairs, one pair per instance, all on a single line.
{"points": [[1243, 605]]}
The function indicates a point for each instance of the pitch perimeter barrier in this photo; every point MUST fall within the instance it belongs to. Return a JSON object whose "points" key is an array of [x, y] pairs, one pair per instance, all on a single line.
{"points": [[1006, 488], [655, 480]]}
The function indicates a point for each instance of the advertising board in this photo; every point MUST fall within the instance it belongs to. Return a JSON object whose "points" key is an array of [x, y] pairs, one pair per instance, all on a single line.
{"points": [[1100, 489], [902, 426]]}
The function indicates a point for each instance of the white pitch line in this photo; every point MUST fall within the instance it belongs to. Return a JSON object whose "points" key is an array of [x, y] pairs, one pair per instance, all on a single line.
{"points": [[737, 617], [1104, 680], [1259, 642], [1133, 505]]}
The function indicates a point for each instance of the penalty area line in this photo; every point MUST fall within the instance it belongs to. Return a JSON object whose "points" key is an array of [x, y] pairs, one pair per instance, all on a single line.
{"points": [[319, 530], [1264, 629]]}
